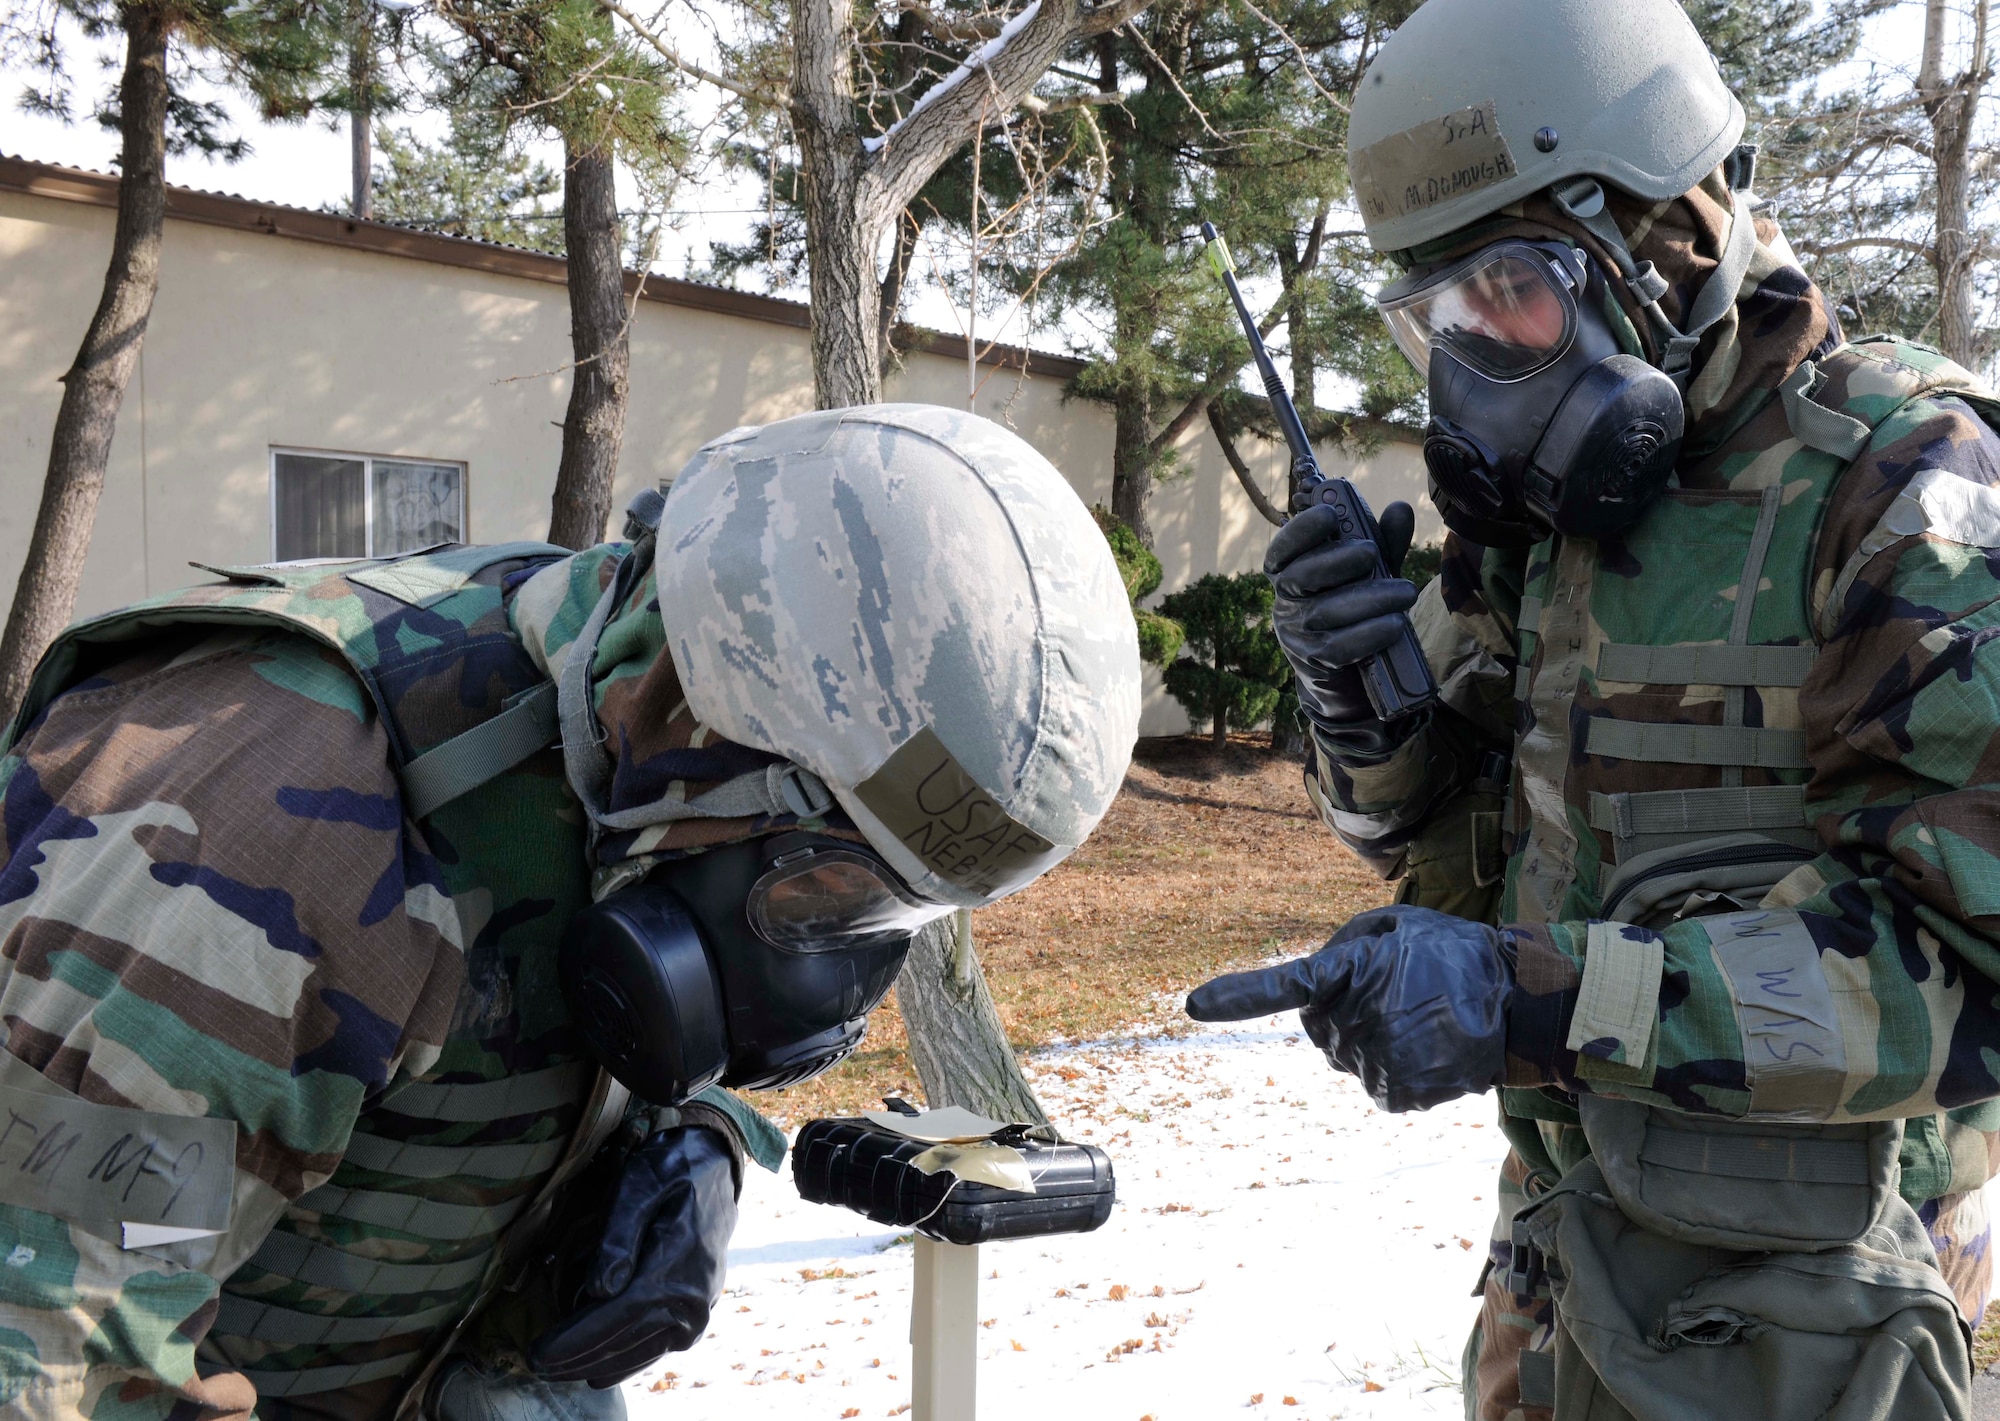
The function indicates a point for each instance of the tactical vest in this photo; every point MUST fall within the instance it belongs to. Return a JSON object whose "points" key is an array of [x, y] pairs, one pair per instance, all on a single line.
{"points": [[1659, 774], [366, 1276], [1662, 752]]}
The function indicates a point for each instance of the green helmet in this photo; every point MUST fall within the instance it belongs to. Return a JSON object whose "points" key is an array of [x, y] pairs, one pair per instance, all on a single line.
{"points": [[1473, 104]]}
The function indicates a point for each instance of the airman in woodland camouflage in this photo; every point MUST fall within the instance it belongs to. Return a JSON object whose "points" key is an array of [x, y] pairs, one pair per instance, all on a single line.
{"points": [[298, 1119], [1737, 978]]}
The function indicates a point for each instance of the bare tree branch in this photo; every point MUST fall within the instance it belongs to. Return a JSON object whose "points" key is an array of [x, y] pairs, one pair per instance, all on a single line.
{"points": [[1174, 79], [1849, 244], [688, 66], [1107, 17], [1220, 381], [1305, 65], [904, 158], [1243, 475], [1065, 102]]}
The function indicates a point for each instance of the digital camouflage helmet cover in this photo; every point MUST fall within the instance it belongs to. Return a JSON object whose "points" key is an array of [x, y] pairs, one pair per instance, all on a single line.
{"points": [[910, 602]]}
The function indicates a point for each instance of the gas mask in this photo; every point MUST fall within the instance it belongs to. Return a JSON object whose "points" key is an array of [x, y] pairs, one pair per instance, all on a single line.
{"points": [[752, 965], [1540, 422]]}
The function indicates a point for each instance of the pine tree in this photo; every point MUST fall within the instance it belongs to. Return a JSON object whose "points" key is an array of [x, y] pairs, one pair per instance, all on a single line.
{"points": [[1235, 671], [479, 183], [1160, 637], [564, 67], [272, 52], [1235, 114]]}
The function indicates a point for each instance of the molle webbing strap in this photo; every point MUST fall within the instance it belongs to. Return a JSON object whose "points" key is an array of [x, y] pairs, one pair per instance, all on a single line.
{"points": [[441, 1161], [468, 760], [313, 1380], [525, 1094], [1528, 620], [1733, 697], [603, 1110], [267, 1322], [290, 1256], [1709, 664], [410, 1213], [1698, 812], [1697, 744], [1780, 1157]]}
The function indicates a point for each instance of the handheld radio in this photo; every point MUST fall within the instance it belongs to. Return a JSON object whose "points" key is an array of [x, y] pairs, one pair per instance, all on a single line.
{"points": [[1398, 680]]}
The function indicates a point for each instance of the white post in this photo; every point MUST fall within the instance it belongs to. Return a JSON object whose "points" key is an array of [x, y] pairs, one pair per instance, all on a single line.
{"points": [[944, 1320]]}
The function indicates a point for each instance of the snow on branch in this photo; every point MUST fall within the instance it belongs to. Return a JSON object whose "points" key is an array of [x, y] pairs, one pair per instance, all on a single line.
{"points": [[979, 59]]}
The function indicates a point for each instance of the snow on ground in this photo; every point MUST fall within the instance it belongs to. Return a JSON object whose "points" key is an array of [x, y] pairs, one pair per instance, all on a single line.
{"points": [[1279, 1248]]}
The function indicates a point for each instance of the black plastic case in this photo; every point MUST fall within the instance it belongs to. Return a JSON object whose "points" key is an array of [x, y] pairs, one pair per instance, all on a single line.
{"points": [[860, 1166]]}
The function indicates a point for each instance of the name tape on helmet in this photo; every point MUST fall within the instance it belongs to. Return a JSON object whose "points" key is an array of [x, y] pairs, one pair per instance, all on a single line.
{"points": [[956, 829], [1406, 172]]}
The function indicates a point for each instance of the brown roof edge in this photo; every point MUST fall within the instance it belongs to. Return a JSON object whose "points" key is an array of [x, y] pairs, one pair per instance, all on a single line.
{"points": [[241, 214]]}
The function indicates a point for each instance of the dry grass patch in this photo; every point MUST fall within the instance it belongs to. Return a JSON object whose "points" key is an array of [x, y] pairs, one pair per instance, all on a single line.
{"points": [[1986, 1342], [1208, 860]]}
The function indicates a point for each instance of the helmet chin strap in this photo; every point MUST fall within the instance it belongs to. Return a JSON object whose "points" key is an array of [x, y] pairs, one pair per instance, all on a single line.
{"points": [[1582, 198]]}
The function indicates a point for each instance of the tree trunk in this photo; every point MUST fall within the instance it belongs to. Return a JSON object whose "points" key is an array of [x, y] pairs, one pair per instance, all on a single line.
{"points": [[94, 386], [594, 425], [1952, 108], [956, 1039], [841, 237], [1132, 462], [1219, 735], [1295, 326], [361, 111]]}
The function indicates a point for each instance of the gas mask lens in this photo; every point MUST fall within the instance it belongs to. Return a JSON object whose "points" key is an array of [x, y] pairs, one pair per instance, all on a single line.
{"points": [[817, 900], [1508, 311]]}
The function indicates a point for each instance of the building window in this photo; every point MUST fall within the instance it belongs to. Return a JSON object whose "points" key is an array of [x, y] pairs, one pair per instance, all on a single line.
{"points": [[362, 506]]}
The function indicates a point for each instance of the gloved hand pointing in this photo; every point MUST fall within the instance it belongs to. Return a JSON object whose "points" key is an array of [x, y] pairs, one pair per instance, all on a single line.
{"points": [[1411, 1001], [1331, 614]]}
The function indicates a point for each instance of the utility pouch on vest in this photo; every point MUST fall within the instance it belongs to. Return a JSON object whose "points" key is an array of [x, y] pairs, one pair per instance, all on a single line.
{"points": [[1652, 1327], [1735, 1184], [1713, 875], [1455, 863]]}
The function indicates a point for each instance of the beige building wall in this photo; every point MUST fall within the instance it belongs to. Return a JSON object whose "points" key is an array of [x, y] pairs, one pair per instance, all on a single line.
{"points": [[260, 341]]}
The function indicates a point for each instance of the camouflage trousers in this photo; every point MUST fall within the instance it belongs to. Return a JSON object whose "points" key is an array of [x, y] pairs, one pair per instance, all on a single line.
{"points": [[1510, 1325]]}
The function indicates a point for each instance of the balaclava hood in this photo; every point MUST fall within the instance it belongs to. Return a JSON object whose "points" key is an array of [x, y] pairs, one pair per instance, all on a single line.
{"points": [[656, 744]]}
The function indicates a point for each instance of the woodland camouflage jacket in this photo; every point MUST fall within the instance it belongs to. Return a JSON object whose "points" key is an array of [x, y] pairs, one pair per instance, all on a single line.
{"points": [[1888, 941], [212, 906]]}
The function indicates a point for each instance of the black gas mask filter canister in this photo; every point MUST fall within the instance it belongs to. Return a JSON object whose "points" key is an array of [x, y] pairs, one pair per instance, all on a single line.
{"points": [[752, 965], [1540, 422]]}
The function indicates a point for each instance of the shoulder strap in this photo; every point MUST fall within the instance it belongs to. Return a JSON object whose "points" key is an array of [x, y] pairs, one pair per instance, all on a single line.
{"points": [[1903, 371]]}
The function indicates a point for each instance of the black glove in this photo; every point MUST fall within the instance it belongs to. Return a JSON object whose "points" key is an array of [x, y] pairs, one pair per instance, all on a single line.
{"points": [[657, 1268], [1331, 614], [1411, 1001]]}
